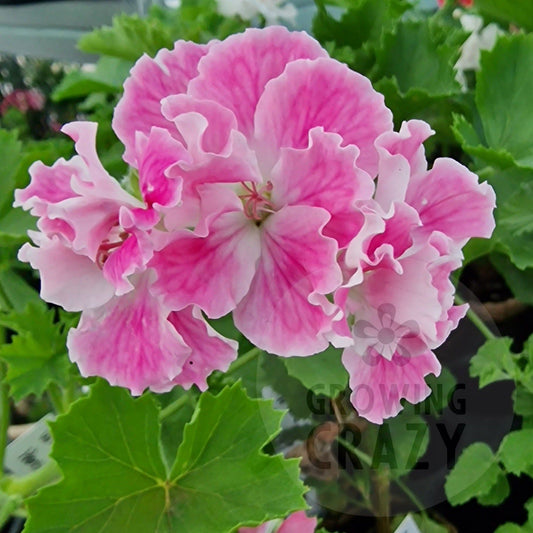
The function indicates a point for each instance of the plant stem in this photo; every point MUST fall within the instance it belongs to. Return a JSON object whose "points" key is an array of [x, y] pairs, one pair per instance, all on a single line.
{"points": [[27, 485], [382, 500], [4, 411], [56, 397], [244, 359], [411, 495], [358, 453], [171, 408], [476, 320], [182, 400]]}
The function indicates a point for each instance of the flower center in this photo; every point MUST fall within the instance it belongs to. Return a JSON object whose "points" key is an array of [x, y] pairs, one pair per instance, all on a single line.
{"points": [[113, 241], [256, 202]]}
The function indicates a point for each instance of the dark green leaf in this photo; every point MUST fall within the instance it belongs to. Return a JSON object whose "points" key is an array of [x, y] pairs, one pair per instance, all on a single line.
{"points": [[503, 96], [518, 12]]}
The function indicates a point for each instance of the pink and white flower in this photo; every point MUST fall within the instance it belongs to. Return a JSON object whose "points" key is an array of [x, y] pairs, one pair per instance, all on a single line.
{"points": [[268, 200], [397, 268]]}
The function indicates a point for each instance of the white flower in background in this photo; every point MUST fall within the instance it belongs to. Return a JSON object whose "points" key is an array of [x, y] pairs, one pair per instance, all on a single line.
{"points": [[248, 9], [479, 39]]}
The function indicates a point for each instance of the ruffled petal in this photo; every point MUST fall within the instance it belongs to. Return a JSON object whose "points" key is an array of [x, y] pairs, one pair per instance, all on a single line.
{"points": [[210, 351], [323, 93], [129, 342], [218, 152], [130, 257], [450, 199], [324, 174], [151, 80], [213, 272], [285, 311], [235, 71], [158, 152], [378, 385], [67, 279], [298, 523]]}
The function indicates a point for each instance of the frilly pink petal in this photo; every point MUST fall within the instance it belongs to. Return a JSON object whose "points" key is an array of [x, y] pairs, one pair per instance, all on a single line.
{"points": [[130, 257], [324, 174], [151, 80], [129, 342], [285, 311], [210, 351], [378, 385], [450, 199], [212, 272], [322, 93], [236, 70], [67, 279], [295, 523], [155, 154]]}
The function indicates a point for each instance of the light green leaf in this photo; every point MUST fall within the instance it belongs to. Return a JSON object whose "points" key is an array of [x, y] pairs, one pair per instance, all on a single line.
{"points": [[510, 528], [322, 373], [503, 97], [114, 477], [108, 77], [516, 451], [474, 475], [37, 355], [128, 38], [523, 401], [498, 492], [8, 504], [493, 362]]}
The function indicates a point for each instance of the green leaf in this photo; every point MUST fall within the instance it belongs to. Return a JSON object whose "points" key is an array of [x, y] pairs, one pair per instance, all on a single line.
{"points": [[128, 38], [510, 528], [493, 361], [503, 97], [475, 474], [515, 215], [518, 12], [10, 152], [17, 291], [320, 372], [498, 492], [114, 477], [420, 55], [37, 355], [8, 504], [523, 401], [360, 29], [516, 452], [424, 523], [519, 281], [108, 77]]}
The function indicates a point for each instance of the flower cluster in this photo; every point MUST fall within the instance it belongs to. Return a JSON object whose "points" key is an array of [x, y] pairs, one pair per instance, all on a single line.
{"points": [[272, 186]]}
